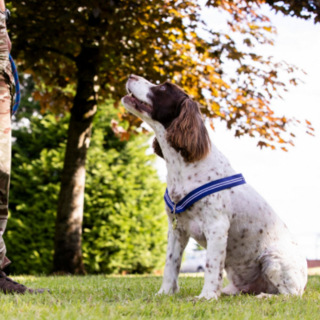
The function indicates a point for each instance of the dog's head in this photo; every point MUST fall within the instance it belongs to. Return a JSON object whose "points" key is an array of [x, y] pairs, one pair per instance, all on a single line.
{"points": [[169, 105]]}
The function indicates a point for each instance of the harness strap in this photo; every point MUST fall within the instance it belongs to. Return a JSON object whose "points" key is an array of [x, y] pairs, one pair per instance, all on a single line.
{"points": [[17, 84], [203, 191]]}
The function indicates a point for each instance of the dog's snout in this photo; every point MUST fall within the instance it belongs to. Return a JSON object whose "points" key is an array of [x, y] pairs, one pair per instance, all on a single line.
{"points": [[133, 77]]}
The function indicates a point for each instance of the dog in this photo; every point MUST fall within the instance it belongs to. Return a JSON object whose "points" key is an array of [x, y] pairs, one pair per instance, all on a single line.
{"points": [[239, 229]]}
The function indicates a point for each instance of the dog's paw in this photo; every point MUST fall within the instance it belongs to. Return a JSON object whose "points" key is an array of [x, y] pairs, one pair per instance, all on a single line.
{"points": [[162, 292], [167, 290], [265, 296], [230, 290], [211, 295]]}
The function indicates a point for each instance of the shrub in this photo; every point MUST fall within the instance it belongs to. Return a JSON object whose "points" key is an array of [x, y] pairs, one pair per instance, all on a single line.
{"points": [[124, 220]]}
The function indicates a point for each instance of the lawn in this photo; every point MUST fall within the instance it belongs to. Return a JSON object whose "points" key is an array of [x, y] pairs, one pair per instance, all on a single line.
{"points": [[133, 297]]}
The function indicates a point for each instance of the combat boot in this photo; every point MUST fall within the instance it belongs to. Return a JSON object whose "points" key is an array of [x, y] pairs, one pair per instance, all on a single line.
{"points": [[7, 285]]}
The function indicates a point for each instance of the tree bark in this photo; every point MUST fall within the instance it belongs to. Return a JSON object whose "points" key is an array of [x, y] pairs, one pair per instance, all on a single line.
{"points": [[68, 253]]}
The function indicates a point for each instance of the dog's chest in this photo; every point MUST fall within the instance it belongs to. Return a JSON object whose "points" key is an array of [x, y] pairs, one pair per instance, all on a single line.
{"points": [[199, 219], [194, 226]]}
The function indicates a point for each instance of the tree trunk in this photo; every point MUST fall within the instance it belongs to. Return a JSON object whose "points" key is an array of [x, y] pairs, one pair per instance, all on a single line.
{"points": [[68, 253]]}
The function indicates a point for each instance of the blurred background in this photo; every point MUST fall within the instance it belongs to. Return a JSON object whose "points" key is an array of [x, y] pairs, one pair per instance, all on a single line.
{"points": [[86, 191]]}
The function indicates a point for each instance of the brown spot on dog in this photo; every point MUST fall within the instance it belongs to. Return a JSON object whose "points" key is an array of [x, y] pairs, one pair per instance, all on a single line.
{"points": [[261, 231]]}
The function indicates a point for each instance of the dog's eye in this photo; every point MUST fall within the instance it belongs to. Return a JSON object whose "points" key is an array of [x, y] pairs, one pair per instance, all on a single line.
{"points": [[163, 88]]}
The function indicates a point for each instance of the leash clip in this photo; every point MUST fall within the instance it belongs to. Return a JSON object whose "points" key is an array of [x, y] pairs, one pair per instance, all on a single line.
{"points": [[174, 219]]}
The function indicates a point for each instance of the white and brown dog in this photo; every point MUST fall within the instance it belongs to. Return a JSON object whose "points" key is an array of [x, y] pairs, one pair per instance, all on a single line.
{"points": [[239, 229]]}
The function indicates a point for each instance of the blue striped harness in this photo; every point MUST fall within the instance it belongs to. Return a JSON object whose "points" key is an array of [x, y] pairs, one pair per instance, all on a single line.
{"points": [[17, 84], [201, 192]]}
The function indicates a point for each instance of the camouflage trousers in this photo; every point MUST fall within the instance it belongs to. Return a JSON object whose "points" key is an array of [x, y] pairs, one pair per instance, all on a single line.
{"points": [[5, 158]]}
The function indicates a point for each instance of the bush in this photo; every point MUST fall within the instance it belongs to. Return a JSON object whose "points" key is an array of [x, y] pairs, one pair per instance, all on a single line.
{"points": [[124, 221]]}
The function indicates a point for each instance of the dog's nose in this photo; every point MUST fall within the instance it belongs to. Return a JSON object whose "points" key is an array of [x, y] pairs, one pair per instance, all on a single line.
{"points": [[133, 77]]}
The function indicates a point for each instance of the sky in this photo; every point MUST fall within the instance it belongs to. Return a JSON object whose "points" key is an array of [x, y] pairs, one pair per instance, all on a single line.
{"points": [[289, 181]]}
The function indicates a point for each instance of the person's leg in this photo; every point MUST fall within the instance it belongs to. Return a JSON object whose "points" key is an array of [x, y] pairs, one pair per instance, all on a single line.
{"points": [[5, 130], [5, 162], [7, 285]]}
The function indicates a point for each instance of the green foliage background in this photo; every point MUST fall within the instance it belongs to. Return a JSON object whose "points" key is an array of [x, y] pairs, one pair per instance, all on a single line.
{"points": [[124, 227]]}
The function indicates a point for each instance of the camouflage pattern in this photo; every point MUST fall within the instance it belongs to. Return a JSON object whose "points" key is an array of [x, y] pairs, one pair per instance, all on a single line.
{"points": [[6, 86]]}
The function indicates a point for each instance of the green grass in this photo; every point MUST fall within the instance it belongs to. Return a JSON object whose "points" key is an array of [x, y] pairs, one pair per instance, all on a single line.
{"points": [[133, 297]]}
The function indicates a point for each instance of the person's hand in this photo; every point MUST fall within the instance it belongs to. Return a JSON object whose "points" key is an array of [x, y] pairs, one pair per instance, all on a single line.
{"points": [[2, 6]]}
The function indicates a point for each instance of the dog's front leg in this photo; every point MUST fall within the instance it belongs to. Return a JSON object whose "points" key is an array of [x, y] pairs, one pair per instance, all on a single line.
{"points": [[216, 235], [177, 241]]}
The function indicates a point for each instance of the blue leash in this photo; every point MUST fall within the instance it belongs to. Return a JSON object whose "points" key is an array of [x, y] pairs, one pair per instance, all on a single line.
{"points": [[17, 84], [203, 191]]}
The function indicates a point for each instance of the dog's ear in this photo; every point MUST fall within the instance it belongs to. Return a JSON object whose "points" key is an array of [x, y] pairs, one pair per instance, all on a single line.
{"points": [[187, 134], [156, 148]]}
